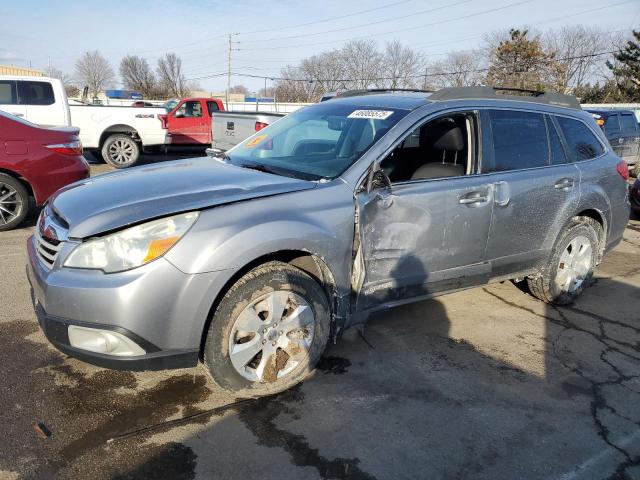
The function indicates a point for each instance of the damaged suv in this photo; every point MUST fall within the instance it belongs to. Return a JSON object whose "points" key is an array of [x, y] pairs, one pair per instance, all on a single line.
{"points": [[253, 260]]}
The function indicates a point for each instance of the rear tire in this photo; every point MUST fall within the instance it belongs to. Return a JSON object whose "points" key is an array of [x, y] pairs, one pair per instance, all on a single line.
{"points": [[268, 331], [120, 151], [570, 267], [14, 202]]}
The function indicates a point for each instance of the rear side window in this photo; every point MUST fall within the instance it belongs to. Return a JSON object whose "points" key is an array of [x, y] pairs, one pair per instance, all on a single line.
{"points": [[628, 122], [35, 93], [582, 142], [212, 107], [556, 151], [611, 125], [8, 92], [519, 140]]}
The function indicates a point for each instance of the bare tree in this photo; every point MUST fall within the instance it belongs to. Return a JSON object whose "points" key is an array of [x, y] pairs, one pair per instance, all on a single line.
{"points": [[137, 75], [94, 71], [362, 63], [400, 67], [241, 89], [457, 69], [70, 88], [296, 86], [575, 49], [170, 75]]}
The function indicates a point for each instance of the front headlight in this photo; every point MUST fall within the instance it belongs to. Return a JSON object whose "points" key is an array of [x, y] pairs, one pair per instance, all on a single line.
{"points": [[132, 247]]}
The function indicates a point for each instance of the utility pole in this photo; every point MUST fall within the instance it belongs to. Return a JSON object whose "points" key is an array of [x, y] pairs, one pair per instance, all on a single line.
{"points": [[229, 70]]}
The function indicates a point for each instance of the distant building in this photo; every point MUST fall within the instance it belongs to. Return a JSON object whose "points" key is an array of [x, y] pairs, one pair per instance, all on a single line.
{"points": [[11, 70]]}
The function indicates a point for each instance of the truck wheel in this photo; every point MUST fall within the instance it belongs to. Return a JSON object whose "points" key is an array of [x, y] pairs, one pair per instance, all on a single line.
{"points": [[570, 267], [268, 331], [120, 151], [14, 202]]}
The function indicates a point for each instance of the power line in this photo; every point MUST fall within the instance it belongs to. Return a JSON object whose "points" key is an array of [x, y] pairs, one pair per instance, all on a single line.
{"points": [[421, 75], [386, 20], [339, 17], [475, 14]]}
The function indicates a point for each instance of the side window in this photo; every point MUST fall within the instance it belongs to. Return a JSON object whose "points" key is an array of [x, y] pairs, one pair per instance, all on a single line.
{"points": [[8, 92], [556, 151], [189, 109], [628, 122], [519, 141], [213, 107], [582, 142], [612, 126], [440, 148], [35, 93]]}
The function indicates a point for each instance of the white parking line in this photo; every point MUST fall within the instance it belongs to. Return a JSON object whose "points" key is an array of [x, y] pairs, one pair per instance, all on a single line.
{"points": [[603, 455]]}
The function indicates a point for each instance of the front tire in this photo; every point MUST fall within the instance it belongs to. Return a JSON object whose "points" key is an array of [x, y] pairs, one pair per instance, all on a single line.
{"points": [[14, 202], [120, 151], [268, 331], [570, 267]]}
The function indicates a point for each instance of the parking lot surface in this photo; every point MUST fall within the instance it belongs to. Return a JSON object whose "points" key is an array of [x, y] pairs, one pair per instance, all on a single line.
{"points": [[487, 383]]}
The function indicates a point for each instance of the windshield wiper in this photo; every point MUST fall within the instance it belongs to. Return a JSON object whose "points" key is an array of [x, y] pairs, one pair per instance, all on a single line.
{"points": [[260, 168]]}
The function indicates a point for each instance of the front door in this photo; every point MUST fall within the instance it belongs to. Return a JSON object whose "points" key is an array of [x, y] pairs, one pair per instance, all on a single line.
{"points": [[187, 124], [427, 231]]}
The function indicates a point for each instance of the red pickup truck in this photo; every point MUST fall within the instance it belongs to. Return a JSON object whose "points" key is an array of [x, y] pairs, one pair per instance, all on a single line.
{"points": [[189, 123]]}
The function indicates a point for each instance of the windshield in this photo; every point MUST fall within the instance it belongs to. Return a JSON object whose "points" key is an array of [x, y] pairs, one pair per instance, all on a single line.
{"points": [[317, 142]]}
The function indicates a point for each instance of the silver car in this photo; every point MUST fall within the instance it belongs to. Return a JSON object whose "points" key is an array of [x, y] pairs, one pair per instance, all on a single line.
{"points": [[253, 260]]}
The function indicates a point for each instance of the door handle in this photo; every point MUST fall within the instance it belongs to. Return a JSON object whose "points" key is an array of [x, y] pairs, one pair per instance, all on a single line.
{"points": [[17, 114], [473, 198], [564, 184], [620, 141]]}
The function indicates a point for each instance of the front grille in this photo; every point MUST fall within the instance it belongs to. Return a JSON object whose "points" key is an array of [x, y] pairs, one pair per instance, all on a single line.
{"points": [[47, 248]]}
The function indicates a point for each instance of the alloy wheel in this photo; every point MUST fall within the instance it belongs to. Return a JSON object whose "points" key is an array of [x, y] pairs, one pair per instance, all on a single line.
{"points": [[10, 204], [121, 151], [575, 265], [271, 336]]}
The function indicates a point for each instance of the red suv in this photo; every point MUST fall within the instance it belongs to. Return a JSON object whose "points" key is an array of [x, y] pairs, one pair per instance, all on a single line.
{"points": [[34, 163]]}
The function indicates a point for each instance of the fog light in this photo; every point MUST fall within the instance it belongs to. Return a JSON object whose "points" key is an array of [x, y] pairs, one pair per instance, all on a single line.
{"points": [[103, 341]]}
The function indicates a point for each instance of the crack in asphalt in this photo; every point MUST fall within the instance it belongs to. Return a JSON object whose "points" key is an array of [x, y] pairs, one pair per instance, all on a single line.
{"points": [[599, 401]]}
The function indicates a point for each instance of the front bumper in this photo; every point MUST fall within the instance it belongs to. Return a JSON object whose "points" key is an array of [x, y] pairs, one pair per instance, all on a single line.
{"points": [[157, 306]]}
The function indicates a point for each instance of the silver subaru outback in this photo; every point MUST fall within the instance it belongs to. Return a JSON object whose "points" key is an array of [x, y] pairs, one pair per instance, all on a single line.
{"points": [[251, 261]]}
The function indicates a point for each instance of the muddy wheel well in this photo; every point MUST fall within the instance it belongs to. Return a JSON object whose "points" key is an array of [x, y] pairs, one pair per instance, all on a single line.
{"points": [[597, 216], [305, 261]]}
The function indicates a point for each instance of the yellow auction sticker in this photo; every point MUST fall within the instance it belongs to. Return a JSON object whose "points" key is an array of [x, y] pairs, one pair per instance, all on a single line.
{"points": [[255, 141]]}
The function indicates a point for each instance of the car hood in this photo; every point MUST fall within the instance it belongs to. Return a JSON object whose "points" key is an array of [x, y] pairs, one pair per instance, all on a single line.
{"points": [[112, 201]]}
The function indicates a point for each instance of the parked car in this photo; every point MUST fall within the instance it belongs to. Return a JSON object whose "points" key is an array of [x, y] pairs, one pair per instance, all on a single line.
{"points": [[34, 163], [253, 260], [623, 132], [231, 128], [189, 122], [117, 133], [141, 103]]}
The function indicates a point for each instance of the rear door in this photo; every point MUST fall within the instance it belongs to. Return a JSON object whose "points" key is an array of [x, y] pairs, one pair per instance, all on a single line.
{"points": [[188, 124], [9, 99], [40, 102], [631, 136], [534, 187], [212, 109], [614, 133]]}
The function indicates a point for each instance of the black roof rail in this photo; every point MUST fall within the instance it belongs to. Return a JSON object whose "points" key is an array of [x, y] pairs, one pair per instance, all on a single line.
{"points": [[537, 96], [369, 91]]}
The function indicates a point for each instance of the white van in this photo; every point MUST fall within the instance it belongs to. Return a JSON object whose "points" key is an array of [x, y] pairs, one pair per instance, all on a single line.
{"points": [[117, 133], [40, 100]]}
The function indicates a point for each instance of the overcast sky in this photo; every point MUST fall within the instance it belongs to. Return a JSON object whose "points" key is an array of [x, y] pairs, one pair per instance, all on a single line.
{"points": [[271, 33]]}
